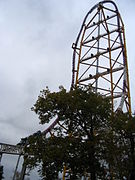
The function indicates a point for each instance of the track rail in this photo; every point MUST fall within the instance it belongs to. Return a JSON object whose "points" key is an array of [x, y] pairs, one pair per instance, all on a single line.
{"points": [[11, 149], [100, 56]]}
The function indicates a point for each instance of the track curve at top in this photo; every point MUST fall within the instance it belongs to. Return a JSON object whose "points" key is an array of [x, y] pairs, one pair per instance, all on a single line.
{"points": [[100, 56]]}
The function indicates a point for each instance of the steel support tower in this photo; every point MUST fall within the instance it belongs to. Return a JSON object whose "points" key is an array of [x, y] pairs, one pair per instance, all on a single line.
{"points": [[100, 55]]}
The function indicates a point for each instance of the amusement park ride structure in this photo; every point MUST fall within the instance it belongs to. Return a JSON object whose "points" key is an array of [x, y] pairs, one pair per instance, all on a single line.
{"points": [[99, 61]]}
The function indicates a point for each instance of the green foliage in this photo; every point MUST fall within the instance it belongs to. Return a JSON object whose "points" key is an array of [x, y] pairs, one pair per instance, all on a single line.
{"points": [[78, 107], [123, 154], [92, 141]]}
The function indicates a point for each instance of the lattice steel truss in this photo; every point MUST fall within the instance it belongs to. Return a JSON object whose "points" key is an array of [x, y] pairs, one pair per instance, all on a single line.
{"points": [[100, 56], [11, 149]]}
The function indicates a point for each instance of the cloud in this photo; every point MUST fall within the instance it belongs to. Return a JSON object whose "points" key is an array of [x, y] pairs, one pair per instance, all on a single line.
{"points": [[33, 41], [35, 51]]}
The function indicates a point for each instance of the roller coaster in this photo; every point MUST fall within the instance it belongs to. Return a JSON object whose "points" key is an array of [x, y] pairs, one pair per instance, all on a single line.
{"points": [[99, 61]]}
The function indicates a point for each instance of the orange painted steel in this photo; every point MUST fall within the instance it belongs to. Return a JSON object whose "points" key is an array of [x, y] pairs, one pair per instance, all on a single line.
{"points": [[100, 56]]}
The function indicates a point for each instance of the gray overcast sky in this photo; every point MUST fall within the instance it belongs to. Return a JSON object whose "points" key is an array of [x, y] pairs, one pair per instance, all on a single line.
{"points": [[35, 51]]}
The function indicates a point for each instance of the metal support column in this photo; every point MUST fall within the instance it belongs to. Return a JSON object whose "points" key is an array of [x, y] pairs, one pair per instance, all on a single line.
{"points": [[24, 166]]}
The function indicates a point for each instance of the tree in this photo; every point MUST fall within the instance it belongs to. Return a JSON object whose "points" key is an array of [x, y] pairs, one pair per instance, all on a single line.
{"points": [[123, 129], [85, 117], [90, 141]]}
